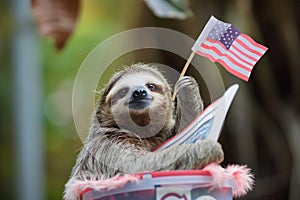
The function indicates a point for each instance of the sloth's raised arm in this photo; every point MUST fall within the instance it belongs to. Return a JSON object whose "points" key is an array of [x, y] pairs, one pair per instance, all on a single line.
{"points": [[189, 102]]}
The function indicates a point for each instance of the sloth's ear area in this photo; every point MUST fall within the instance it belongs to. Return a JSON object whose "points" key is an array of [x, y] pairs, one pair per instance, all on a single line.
{"points": [[104, 102]]}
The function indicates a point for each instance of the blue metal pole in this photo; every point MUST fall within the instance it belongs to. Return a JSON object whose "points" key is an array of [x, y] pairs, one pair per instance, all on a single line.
{"points": [[29, 137]]}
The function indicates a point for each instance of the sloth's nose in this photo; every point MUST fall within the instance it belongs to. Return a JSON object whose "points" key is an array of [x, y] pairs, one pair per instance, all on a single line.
{"points": [[139, 93]]}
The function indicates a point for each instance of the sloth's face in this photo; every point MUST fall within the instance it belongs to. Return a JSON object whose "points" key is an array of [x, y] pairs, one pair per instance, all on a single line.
{"points": [[137, 92], [138, 97]]}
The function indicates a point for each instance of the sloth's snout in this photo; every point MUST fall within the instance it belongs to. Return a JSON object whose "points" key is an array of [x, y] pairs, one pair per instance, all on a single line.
{"points": [[140, 98], [139, 93]]}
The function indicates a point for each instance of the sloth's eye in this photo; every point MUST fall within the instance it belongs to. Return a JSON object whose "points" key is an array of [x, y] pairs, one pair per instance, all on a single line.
{"points": [[119, 95], [151, 86], [122, 92]]}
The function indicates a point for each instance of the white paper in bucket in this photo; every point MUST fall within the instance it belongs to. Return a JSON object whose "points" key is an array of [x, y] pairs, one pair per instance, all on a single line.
{"points": [[207, 124]]}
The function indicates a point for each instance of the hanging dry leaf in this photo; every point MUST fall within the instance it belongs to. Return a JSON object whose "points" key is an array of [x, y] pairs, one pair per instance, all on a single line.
{"points": [[55, 18]]}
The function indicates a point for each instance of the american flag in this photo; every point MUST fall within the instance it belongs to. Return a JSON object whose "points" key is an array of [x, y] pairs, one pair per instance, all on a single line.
{"points": [[223, 43]]}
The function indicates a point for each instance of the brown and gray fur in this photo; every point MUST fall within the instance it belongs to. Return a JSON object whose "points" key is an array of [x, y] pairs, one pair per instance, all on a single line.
{"points": [[113, 147]]}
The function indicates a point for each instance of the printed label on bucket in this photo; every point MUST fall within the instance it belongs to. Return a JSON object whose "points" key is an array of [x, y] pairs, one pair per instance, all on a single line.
{"points": [[173, 193], [192, 193], [206, 197]]}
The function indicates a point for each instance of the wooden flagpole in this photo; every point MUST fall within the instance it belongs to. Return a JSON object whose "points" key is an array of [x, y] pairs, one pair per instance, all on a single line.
{"points": [[186, 66]]}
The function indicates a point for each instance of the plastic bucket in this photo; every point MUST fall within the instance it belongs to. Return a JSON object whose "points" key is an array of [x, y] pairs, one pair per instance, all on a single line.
{"points": [[167, 185]]}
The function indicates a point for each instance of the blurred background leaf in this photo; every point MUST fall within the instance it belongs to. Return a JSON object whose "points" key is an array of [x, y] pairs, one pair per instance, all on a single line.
{"points": [[173, 9], [56, 19]]}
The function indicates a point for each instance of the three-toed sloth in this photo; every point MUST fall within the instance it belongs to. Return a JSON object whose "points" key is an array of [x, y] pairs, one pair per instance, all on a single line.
{"points": [[135, 114]]}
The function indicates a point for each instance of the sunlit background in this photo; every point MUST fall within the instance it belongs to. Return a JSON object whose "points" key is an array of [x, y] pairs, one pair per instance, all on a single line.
{"points": [[38, 140]]}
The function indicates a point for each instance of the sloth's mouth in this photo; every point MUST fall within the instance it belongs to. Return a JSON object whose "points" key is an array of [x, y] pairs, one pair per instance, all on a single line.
{"points": [[139, 104]]}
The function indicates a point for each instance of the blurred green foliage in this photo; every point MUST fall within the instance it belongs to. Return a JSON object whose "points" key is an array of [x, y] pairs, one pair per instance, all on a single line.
{"points": [[62, 143]]}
